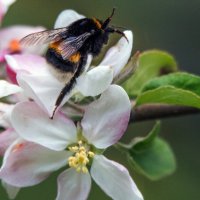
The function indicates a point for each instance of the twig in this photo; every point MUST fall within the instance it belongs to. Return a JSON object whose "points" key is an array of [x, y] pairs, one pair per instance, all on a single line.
{"points": [[159, 111]]}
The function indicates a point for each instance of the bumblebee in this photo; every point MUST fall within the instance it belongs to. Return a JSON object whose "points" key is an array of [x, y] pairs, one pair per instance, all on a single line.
{"points": [[70, 46]]}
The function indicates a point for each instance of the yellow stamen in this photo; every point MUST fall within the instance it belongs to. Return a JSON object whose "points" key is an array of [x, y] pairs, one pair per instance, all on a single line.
{"points": [[80, 142], [91, 154], [84, 170], [81, 156]]}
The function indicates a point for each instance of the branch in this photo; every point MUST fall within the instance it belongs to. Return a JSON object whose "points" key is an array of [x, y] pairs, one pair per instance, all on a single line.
{"points": [[157, 111]]}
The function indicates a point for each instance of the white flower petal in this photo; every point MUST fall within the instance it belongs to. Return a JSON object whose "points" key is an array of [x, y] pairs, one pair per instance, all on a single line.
{"points": [[66, 17], [4, 5], [7, 88], [118, 55], [95, 81], [12, 191], [7, 137], [106, 119], [73, 185], [27, 164], [88, 63], [7, 3], [5, 110], [114, 179], [44, 89], [34, 125], [28, 62]]}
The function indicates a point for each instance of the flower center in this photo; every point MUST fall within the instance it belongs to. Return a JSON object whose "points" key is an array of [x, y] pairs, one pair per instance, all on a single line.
{"points": [[14, 46], [81, 157]]}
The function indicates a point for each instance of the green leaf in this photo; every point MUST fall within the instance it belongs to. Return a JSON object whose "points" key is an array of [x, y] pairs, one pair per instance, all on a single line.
{"points": [[169, 95], [179, 80], [152, 156], [150, 64]]}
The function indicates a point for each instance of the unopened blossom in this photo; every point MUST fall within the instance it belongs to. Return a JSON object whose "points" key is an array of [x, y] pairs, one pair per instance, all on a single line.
{"points": [[34, 76], [28, 162], [10, 37], [4, 5]]}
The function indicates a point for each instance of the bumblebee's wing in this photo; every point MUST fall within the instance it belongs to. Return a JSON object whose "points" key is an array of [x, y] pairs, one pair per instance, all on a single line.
{"points": [[72, 44], [44, 37]]}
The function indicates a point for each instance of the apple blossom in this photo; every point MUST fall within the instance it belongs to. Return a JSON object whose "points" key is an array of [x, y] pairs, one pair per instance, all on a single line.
{"points": [[29, 161]]}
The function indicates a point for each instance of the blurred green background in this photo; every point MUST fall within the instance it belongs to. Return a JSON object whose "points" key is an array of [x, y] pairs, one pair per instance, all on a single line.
{"points": [[171, 25]]}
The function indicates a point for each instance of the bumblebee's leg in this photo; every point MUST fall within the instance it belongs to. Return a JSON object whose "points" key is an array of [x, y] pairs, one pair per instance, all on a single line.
{"points": [[66, 89], [121, 33], [114, 30]]}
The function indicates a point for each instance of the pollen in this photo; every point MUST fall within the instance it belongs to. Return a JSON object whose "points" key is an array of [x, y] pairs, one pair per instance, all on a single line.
{"points": [[81, 157], [14, 46]]}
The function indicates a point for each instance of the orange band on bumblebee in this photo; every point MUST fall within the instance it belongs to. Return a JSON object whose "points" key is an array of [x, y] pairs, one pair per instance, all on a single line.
{"points": [[75, 57], [97, 23], [55, 46]]}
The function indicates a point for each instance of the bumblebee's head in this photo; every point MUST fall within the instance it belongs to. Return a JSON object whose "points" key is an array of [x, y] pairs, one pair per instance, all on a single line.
{"points": [[111, 29]]}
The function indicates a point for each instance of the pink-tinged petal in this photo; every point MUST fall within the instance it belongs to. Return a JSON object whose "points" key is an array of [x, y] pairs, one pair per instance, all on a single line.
{"points": [[7, 88], [44, 89], [118, 55], [34, 125], [66, 17], [106, 119], [11, 190], [2, 54], [15, 33], [7, 137], [95, 81], [11, 75], [114, 179], [26, 163], [28, 62], [73, 185]]}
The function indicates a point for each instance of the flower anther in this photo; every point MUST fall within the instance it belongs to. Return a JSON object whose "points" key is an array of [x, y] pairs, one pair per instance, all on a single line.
{"points": [[14, 46], [81, 157]]}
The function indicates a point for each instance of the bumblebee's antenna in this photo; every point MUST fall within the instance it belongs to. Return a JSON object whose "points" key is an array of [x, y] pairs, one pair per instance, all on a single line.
{"points": [[107, 21]]}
